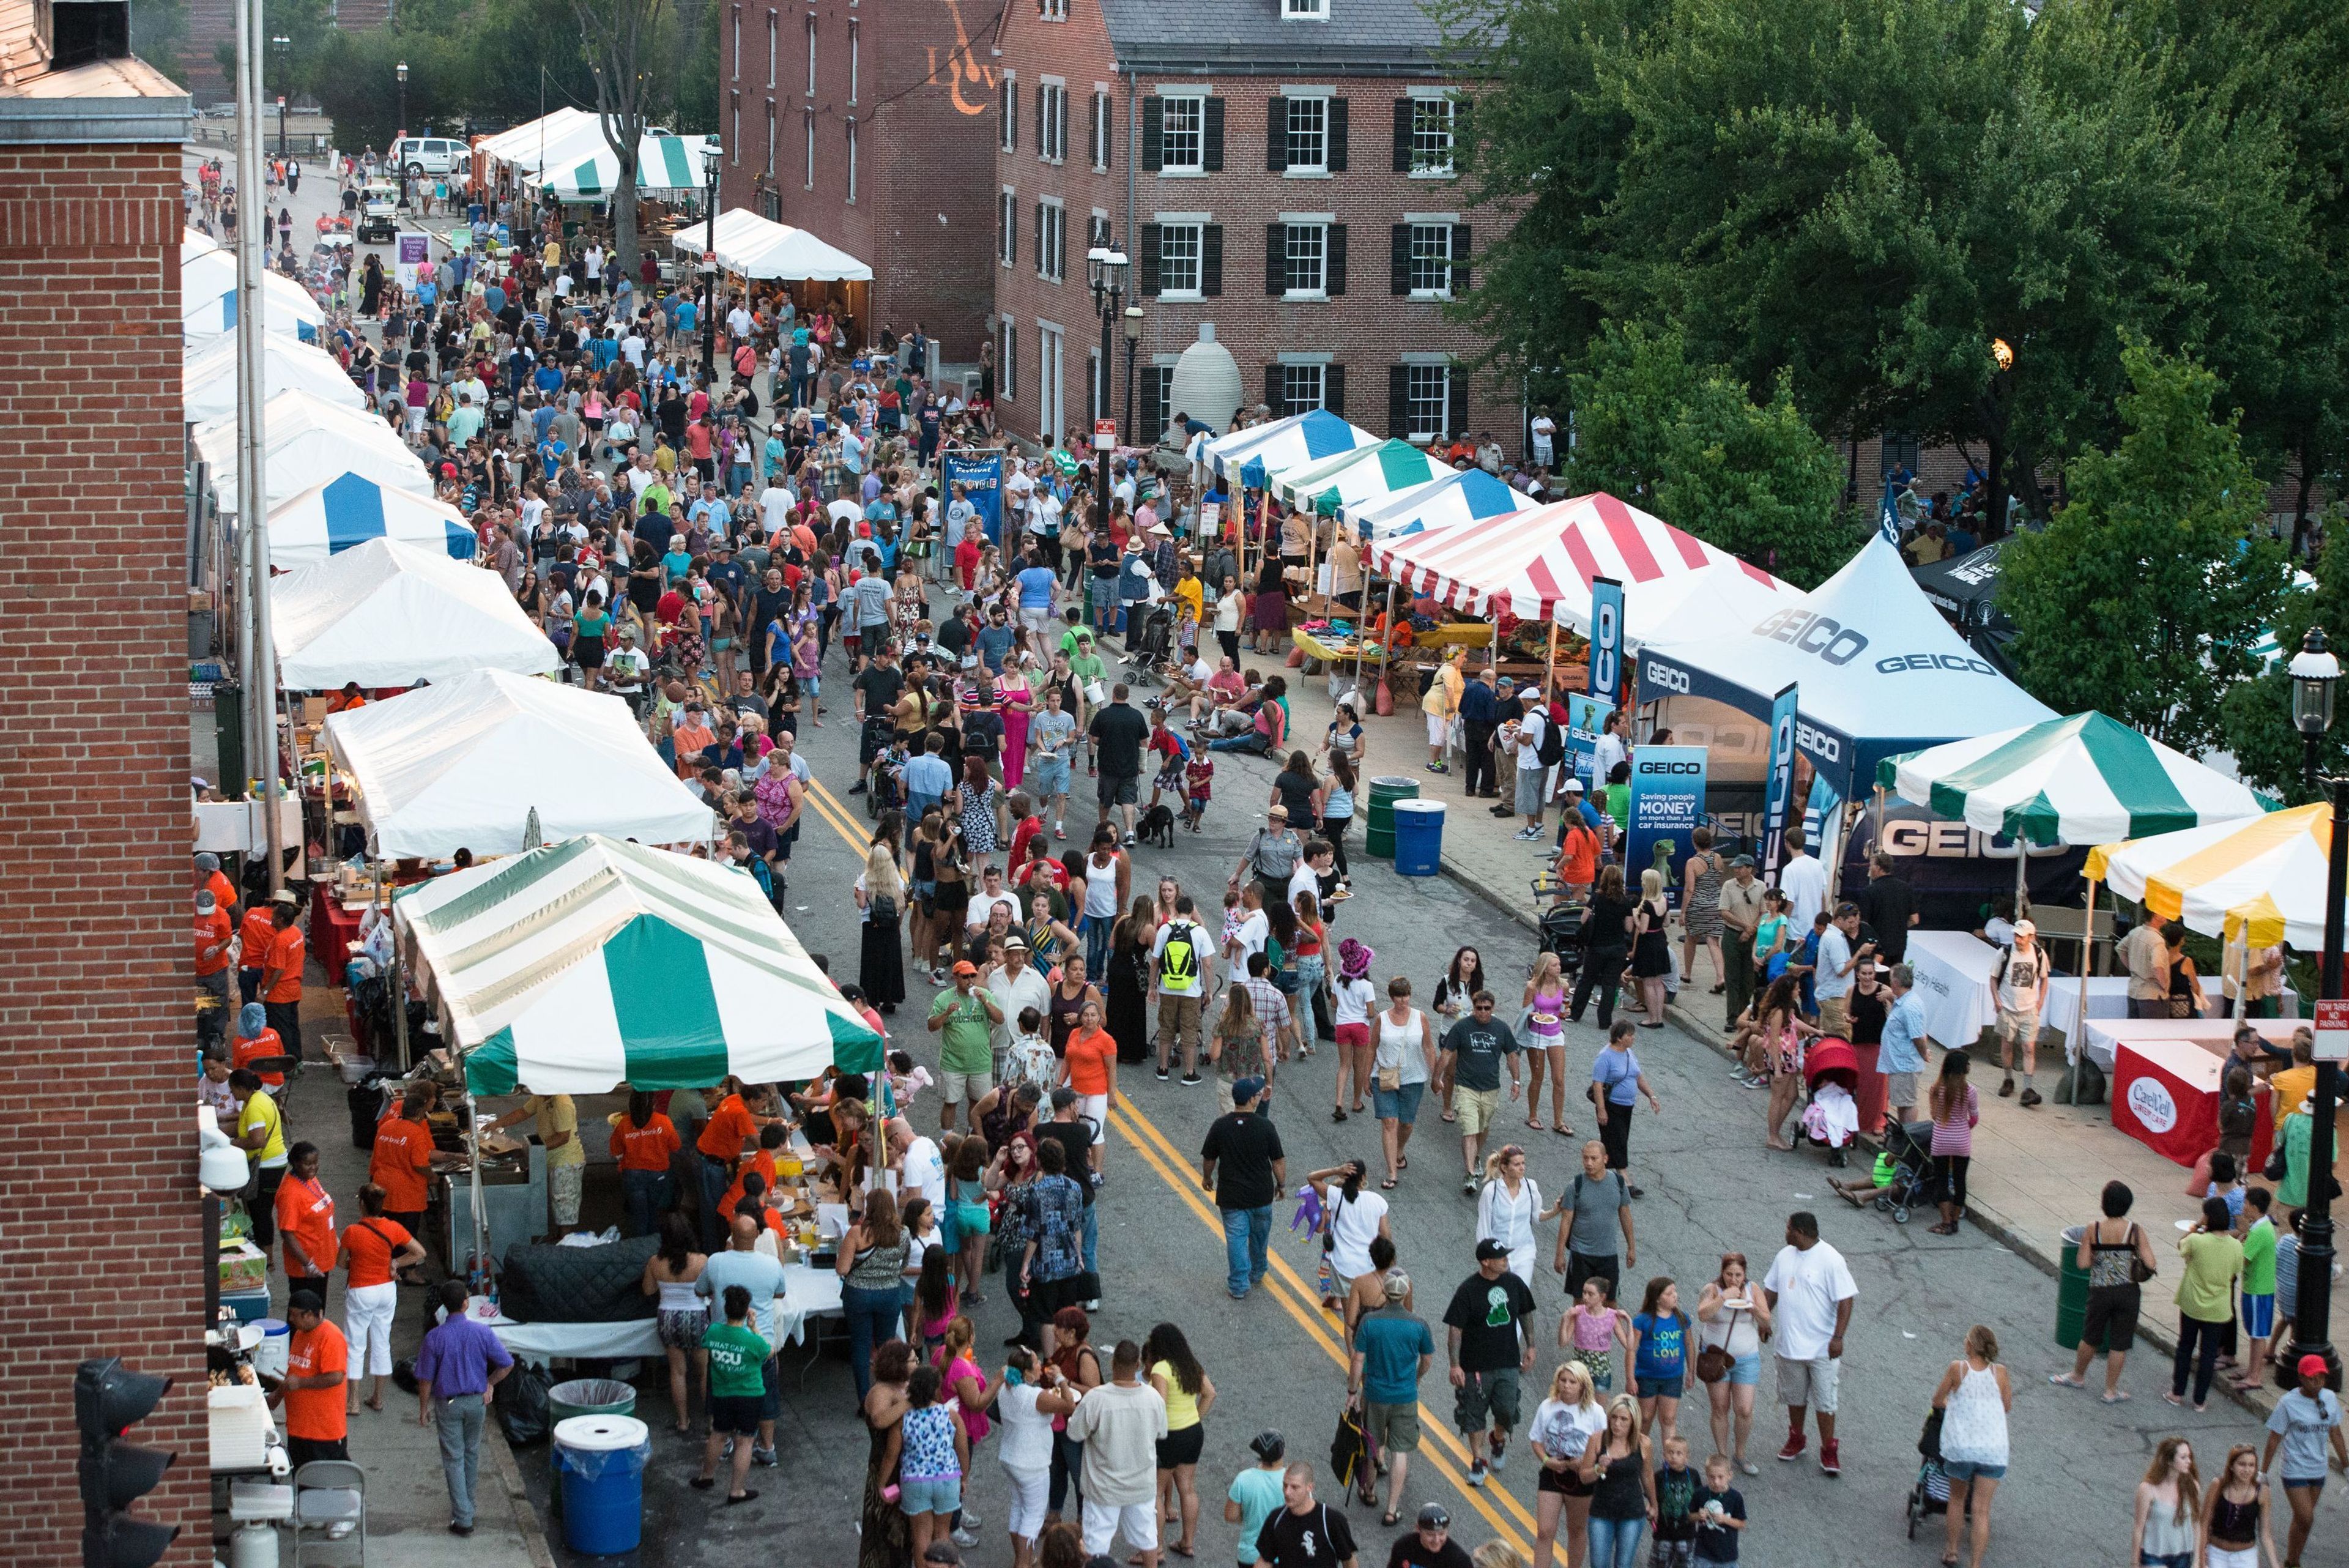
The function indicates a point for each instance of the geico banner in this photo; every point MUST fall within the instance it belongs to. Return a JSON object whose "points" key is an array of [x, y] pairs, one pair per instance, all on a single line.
{"points": [[1956, 869], [1667, 805]]}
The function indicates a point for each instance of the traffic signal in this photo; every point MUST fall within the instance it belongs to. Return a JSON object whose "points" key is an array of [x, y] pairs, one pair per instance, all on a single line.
{"points": [[108, 1399]]}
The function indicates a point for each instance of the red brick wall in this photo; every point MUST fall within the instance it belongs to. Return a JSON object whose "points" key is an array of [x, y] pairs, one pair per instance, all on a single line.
{"points": [[100, 1205]]}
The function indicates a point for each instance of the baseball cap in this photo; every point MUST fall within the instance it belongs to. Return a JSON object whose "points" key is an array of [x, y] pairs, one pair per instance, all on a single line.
{"points": [[1741, 860], [2025, 928], [1572, 786], [1247, 1088], [283, 896], [1398, 1284], [2311, 1366], [1528, 694], [1433, 1516], [964, 966], [205, 901], [1490, 1248]]}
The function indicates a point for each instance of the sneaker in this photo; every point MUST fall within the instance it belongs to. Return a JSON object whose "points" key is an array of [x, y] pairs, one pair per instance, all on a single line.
{"points": [[1477, 1472], [2030, 1097], [1192, 1080], [1794, 1449], [2007, 1088], [1758, 1081], [856, 788], [1500, 1459], [1162, 1074], [1059, 831], [970, 1521], [763, 1457], [1129, 841], [1468, 1186], [1502, 810], [1831, 1458], [1529, 834]]}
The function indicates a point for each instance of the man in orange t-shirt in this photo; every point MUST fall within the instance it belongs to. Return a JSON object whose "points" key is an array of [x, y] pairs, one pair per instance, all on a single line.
{"points": [[210, 875], [317, 1362], [213, 932], [761, 1159], [401, 1162], [254, 934], [645, 1142], [281, 975], [731, 1125]]}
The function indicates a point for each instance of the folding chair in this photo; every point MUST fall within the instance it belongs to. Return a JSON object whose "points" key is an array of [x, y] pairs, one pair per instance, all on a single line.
{"points": [[328, 1492]]}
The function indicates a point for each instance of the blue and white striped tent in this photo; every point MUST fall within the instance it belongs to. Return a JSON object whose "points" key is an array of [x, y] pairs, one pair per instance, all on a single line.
{"points": [[1261, 451], [1463, 496], [330, 518]]}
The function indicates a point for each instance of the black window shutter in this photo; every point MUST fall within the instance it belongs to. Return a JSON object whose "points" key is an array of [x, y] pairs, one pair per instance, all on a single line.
{"points": [[1061, 246], [1333, 388], [1458, 424], [1012, 115], [1399, 401], [1211, 259], [1333, 263], [1063, 127], [1459, 258], [1276, 259], [1043, 113], [1275, 136], [1336, 136], [1212, 159], [1398, 259], [1150, 239], [1153, 133], [1402, 136], [1039, 236], [1275, 396], [1093, 126], [1012, 228]]}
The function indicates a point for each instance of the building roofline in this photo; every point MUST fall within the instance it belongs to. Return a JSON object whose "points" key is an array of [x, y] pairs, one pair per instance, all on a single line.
{"points": [[1244, 60]]}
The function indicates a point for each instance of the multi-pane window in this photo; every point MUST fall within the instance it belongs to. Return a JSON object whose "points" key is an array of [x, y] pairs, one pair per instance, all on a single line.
{"points": [[1183, 144], [1306, 255], [1305, 10], [1156, 395], [1007, 114], [1300, 388], [1052, 10], [1427, 401], [1102, 127], [1007, 227], [1308, 135], [1178, 258], [1097, 232], [1051, 241], [1051, 121], [1430, 260], [855, 61], [1430, 135]]}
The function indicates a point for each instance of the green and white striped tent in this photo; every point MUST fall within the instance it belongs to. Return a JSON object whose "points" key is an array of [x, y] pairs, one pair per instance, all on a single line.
{"points": [[669, 168], [576, 966], [1365, 477], [2082, 780]]}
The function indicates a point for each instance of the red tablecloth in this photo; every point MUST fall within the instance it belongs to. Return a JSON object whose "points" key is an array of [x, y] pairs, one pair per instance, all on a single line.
{"points": [[2165, 1095], [333, 929]]}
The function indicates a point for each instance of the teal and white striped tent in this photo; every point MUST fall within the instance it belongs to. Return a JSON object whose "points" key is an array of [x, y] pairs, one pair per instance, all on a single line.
{"points": [[669, 168], [574, 967], [1366, 476]]}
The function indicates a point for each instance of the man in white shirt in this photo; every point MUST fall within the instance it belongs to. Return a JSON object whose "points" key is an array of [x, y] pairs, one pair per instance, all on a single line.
{"points": [[1810, 1291], [775, 504], [1545, 430], [983, 903], [1533, 779], [632, 349], [1609, 749], [1254, 927], [738, 320], [1803, 880], [1014, 984], [1120, 1424], [921, 1169], [2021, 979], [1841, 953]]}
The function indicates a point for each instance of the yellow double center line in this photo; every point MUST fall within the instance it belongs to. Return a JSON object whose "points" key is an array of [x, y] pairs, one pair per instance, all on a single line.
{"points": [[1299, 1301]]}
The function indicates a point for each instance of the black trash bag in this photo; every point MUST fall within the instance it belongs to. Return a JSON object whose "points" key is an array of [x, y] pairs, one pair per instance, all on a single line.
{"points": [[523, 1410], [403, 1375]]}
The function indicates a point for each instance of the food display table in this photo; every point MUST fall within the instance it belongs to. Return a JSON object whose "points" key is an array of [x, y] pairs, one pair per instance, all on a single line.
{"points": [[2165, 1095], [1953, 971], [2214, 1034], [1330, 650], [334, 926]]}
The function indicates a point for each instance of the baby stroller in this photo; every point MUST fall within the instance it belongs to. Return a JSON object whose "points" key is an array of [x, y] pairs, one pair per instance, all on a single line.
{"points": [[1930, 1495], [1148, 650], [885, 782], [1831, 1120], [1561, 924], [1911, 1144]]}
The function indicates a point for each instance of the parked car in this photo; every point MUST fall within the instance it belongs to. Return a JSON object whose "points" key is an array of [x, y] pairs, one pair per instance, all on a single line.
{"points": [[422, 155]]}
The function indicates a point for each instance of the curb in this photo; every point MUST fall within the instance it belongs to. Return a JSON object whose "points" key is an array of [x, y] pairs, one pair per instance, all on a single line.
{"points": [[525, 1517]]}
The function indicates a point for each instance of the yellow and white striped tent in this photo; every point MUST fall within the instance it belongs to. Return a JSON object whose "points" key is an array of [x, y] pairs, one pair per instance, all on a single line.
{"points": [[2264, 876]]}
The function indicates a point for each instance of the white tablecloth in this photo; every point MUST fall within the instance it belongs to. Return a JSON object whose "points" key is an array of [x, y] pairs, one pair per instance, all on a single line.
{"points": [[2107, 998], [807, 1294], [1953, 971], [2218, 1034]]}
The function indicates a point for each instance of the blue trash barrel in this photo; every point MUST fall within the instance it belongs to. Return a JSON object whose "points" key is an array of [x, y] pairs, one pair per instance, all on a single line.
{"points": [[1418, 837], [602, 1460]]}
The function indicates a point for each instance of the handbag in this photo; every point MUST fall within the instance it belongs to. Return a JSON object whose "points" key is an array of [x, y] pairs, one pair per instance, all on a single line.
{"points": [[1713, 1361], [2139, 1269]]}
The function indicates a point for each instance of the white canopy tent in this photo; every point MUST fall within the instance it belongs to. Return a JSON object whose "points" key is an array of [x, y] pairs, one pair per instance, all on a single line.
{"points": [[530, 147], [389, 614], [669, 168], [208, 376], [311, 441], [463, 764], [753, 246], [349, 510], [208, 301]]}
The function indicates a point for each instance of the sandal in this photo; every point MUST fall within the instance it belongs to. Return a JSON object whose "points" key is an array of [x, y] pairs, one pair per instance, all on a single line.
{"points": [[1403, 1162], [1450, 1117], [1388, 1184], [1535, 1124], [1338, 1113], [1390, 1519]]}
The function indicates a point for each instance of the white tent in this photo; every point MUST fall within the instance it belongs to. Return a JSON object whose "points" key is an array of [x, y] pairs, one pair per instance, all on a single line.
{"points": [[347, 510], [753, 246], [1880, 672], [208, 378], [669, 168], [311, 441], [463, 764], [389, 613], [208, 301], [194, 242], [548, 137]]}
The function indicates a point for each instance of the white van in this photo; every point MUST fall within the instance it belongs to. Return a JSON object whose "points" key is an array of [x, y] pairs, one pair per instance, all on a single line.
{"points": [[420, 155]]}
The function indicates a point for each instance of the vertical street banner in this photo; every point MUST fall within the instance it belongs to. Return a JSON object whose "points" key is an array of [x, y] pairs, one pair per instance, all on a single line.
{"points": [[1586, 717], [1606, 640], [1779, 794], [414, 251], [982, 482], [1667, 808], [1888, 516]]}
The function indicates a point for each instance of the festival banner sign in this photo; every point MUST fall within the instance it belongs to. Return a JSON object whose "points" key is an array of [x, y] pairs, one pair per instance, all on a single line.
{"points": [[1667, 808], [1606, 640], [1780, 794], [1586, 717], [982, 482]]}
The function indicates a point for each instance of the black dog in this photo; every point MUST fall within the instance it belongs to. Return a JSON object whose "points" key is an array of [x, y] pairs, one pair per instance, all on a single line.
{"points": [[1158, 826]]}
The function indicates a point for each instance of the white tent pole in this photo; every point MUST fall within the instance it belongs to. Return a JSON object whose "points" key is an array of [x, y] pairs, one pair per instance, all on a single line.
{"points": [[2242, 971], [2079, 1041], [2021, 874]]}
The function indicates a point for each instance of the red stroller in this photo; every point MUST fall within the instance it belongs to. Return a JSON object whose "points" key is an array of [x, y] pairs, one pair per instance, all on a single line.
{"points": [[1831, 1071]]}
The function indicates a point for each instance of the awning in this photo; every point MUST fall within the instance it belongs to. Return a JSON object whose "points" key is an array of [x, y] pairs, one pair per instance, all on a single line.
{"points": [[1255, 454], [2266, 878], [1540, 564], [551, 134], [310, 441], [463, 764], [389, 613], [207, 376], [1363, 476], [2086, 779], [667, 167], [347, 512], [751, 247], [208, 301], [1461, 497], [577, 967]]}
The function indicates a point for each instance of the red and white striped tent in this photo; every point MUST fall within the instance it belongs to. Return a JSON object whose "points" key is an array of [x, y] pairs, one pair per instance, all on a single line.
{"points": [[1540, 564]]}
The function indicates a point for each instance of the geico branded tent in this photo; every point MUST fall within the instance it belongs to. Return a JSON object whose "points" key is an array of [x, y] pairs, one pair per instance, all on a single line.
{"points": [[389, 613], [1880, 672], [579, 966], [463, 763], [309, 441], [207, 376], [347, 511]]}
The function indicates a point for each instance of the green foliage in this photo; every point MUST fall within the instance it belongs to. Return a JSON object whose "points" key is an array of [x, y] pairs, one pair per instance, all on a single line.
{"points": [[2144, 595], [159, 29], [2268, 751]]}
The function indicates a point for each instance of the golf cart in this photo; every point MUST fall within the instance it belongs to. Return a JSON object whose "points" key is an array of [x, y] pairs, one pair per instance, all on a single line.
{"points": [[378, 213]]}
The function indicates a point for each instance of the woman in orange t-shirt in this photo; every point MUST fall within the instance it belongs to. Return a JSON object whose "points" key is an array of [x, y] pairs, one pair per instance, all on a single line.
{"points": [[1089, 1065], [372, 1250], [731, 1125], [255, 1040], [306, 1221], [644, 1141]]}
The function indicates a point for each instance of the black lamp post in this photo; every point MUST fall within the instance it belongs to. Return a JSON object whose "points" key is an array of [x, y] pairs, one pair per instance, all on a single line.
{"points": [[401, 70], [283, 47], [1105, 267], [2316, 673], [713, 154], [1132, 346]]}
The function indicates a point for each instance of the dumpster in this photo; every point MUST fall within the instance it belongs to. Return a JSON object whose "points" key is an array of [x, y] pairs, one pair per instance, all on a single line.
{"points": [[1418, 837]]}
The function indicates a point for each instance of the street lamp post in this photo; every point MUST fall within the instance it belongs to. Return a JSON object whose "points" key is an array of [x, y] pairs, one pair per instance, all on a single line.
{"points": [[283, 47], [1105, 267], [2316, 675], [401, 70], [1132, 346], [711, 155]]}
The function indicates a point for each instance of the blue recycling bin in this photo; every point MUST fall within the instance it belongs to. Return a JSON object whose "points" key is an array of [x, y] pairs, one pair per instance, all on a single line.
{"points": [[601, 1460], [1418, 837]]}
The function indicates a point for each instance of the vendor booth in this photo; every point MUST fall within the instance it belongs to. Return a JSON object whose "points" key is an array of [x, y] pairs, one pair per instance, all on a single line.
{"points": [[774, 258], [389, 614], [1252, 455], [208, 302], [2261, 880], [466, 764], [1363, 476], [668, 169], [1463, 495], [345, 513], [309, 441], [208, 376], [530, 147]]}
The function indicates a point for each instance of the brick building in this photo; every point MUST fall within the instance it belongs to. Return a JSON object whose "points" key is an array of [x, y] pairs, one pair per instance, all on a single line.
{"points": [[1281, 168], [873, 133], [101, 1208]]}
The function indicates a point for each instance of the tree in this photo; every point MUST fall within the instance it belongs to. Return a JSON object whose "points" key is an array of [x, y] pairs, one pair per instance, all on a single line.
{"points": [[2145, 594], [159, 29], [2267, 749], [624, 39]]}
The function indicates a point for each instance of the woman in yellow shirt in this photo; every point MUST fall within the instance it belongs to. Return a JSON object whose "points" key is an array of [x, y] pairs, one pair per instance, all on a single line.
{"points": [[1189, 1394], [1441, 703]]}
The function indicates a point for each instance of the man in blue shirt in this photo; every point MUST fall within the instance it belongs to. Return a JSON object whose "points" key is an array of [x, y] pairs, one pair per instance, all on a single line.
{"points": [[459, 1362], [994, 640], [1480, 715], [1393, 1351], [1902, 1056], [927, 778], [1039, 589]]}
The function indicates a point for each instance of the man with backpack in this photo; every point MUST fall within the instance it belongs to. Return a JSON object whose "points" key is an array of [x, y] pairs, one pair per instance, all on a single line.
{"points": [[1181, 961], [1541, 746], [2020, 978]]}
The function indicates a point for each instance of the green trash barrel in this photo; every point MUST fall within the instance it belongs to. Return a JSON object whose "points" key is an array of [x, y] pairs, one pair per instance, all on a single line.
{"points": [[583, 1397], [1379, 841], [2070, 1291]]}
